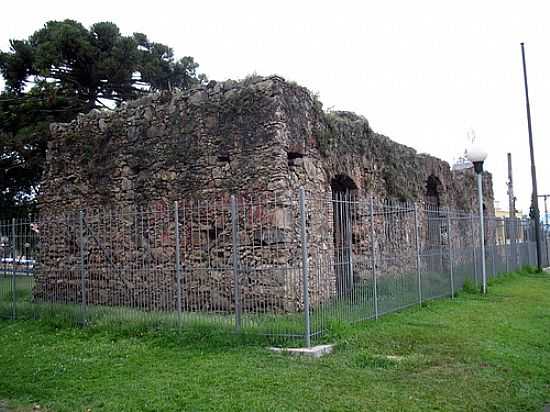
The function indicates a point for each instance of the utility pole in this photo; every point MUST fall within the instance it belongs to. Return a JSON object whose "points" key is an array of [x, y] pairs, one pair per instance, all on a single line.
{"points": [[512, 212], [534, 196]]}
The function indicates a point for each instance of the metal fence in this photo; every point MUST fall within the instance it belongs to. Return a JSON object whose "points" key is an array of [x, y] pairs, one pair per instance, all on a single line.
{"points": [[286, 266]]}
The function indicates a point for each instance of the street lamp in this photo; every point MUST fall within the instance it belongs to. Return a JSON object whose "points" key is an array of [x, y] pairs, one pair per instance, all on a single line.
{"points": [[477, 155]]}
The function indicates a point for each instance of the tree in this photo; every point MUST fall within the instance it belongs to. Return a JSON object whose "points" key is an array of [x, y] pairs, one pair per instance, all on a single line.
{"points": [[24, 122], [64, 69]]}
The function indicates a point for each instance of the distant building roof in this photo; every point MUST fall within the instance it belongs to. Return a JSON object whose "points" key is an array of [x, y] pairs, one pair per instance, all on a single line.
{"points": [[462, 163]]}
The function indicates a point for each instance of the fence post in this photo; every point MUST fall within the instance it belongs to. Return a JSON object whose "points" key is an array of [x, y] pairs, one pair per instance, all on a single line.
{"points": [[305, 267], [506, 251], [528, 242], [450, 238], [543, 255], [419, 279], [523, 245], [513, 254], [526, 259], [178, 260], [516, 246], [513, 229], [474, 247], [82, 269], [319, 280], [13, 270], [373, 242], [235, 236], [493, 248], [521, 248], [348, 241]]}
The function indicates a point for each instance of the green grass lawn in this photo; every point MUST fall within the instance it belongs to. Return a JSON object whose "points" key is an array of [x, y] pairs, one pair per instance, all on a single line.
{"points": [[23, 285], [473, 353]]}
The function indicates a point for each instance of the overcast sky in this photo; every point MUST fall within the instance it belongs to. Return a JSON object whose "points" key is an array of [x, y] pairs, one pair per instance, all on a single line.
{"points": [[422, 72]]}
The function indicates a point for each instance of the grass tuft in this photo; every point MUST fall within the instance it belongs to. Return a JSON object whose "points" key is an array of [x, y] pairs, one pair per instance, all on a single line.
{"points": [[367, 360], [470, 287]]}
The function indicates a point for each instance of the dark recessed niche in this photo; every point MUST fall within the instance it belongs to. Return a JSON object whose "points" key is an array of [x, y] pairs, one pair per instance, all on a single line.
{"points": [[224, 158], [294, 155]]}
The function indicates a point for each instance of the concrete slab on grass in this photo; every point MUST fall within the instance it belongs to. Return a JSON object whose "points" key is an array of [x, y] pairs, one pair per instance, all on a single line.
{"points": [[313, 352]]}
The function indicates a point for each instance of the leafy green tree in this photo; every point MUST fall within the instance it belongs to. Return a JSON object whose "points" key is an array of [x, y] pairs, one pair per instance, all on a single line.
{"points": [[64, 69]]}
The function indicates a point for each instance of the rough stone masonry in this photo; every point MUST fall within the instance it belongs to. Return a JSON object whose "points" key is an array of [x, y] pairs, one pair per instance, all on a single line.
{"points": [[259, 139]]}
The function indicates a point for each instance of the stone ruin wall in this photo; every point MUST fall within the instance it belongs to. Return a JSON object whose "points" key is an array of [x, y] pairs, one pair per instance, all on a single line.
{"points": [[335, 144], [259, 139]]}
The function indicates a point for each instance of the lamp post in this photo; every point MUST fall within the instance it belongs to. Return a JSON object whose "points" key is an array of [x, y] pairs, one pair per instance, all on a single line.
{"points": [[477, 155]]}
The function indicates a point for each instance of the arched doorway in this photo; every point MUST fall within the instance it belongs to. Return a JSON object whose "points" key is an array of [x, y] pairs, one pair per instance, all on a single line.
{"points": [[433, 192], [435, 240], [433, 210], [343, 192]]}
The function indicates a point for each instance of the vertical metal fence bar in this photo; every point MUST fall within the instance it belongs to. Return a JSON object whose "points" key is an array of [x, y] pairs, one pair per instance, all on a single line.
{"points": [[521, 244], [235, 241], [348, 240], [517, 246], [474, 247], [321, 311], [506, 251], [13, 271], [350, 220], [525, 259], [419, 279], [528, 243], [543, 245], [341, 257], [82, 268], [450, 240], [373, 248], [493, 233], [482, 251], [512, 227], [305, 267], [178, 260]]}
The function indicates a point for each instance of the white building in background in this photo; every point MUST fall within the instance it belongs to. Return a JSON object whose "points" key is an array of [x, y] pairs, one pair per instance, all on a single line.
{"points": [[462, 163], [503, 229]]}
